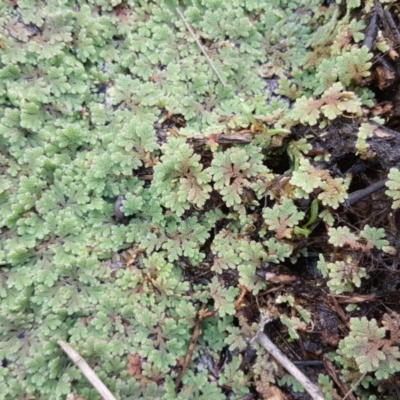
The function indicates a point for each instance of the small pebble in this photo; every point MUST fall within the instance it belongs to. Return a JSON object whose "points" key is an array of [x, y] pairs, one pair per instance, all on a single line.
{"points": [[117, 207]]}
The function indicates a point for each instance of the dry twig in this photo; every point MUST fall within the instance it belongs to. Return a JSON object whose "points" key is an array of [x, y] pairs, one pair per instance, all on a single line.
{"points": [[201, 47], [239, 301], [354, 386], [239, 138], [361, 298], [91, 376], [360, 194], [312, 389], [332, 373], [195, 335]]}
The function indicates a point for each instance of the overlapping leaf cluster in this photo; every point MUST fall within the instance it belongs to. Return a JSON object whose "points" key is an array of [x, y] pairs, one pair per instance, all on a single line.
{"points": [[371, 348]]}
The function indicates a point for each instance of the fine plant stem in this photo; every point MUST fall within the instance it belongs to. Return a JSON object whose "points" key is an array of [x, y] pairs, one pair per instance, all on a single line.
{"points": [[91, 376], [312, 389], [354, 386], [188, 357], [195, 335], [201, 47]]}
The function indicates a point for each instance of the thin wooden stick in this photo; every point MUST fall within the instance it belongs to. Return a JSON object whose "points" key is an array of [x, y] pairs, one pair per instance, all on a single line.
{"points": [[354, 386], [332, 373], [192, 345], [91, 376], [239, 301], [201, 47], [195, 335], [312, 389], [360, 194]]}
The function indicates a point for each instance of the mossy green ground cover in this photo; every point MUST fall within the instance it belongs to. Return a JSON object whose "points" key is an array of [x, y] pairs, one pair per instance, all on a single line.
{"points": [[101, 99]]}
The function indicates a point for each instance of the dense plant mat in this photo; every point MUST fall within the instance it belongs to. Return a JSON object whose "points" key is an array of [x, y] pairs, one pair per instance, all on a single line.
{"points": [[171, 174]]}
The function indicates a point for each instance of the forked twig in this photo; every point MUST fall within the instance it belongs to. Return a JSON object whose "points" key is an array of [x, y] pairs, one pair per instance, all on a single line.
{"points": [[312, 389], [201, 47], [91, 376]]}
